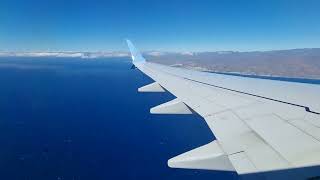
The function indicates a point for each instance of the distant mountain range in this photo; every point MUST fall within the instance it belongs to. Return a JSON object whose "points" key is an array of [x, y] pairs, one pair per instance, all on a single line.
{"points": [[302, 63]]}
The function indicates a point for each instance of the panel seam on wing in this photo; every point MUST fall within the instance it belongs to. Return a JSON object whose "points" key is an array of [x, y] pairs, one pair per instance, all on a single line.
{"points": [[307, 109]]}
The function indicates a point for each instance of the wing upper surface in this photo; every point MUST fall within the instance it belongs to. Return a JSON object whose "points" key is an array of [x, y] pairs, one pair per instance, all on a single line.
{"points": [[261, 125]]}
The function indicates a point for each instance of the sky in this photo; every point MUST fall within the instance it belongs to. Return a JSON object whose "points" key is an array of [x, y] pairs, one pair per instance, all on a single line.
{"points": [[162, 25]]}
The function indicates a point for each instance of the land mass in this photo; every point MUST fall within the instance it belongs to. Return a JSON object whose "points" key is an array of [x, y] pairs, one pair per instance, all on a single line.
{"points": [[297, 63]]}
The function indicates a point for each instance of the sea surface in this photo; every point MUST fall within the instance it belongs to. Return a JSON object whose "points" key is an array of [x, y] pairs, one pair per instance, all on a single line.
{"points": [[83, 119]]}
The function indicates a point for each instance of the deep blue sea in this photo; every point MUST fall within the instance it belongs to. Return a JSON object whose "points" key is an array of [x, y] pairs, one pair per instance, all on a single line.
{"points": [[83, 119]]}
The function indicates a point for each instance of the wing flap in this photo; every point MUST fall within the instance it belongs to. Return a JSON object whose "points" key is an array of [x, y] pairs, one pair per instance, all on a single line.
{"points": [[293, 144], [236, 137], [242, 163], [307, 127]]}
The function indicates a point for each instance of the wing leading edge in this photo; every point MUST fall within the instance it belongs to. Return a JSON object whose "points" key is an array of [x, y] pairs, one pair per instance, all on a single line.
{"points": [[261, 126]]}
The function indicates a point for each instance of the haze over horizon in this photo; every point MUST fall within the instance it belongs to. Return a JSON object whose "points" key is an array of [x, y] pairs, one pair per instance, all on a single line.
{"points": [[158, 25]]}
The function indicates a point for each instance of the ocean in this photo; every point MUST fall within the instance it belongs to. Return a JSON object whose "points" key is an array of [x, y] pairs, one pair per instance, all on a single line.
{"points": [[83, 119]]}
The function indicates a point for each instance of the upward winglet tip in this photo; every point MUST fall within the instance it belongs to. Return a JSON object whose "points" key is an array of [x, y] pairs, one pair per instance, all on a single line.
{"points": [[135, 54]]}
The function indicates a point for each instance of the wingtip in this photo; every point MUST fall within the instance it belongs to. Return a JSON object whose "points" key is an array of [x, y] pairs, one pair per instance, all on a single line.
{"points": [[135, 54]]}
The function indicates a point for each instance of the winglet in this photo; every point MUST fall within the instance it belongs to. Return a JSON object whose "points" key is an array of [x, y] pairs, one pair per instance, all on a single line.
{"points": [[135, 54]]}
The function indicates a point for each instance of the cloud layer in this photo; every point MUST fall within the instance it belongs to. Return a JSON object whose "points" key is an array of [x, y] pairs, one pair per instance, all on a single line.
{"points": [[86, 55]]}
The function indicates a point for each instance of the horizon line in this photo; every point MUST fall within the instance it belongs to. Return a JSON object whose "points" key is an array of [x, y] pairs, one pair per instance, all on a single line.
{"points": [[150, 51]]}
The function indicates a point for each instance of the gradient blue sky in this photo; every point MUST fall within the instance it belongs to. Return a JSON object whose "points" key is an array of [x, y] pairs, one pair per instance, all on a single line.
{"points": [[168, 25]]}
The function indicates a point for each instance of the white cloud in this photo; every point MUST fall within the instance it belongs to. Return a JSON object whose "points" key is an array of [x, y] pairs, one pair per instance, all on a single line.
{"points": [[64, 54], [155, 53], [187, 53]]}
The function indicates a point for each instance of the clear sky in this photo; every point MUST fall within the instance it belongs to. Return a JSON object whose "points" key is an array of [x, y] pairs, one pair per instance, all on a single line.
{"points": [[168, 25]]}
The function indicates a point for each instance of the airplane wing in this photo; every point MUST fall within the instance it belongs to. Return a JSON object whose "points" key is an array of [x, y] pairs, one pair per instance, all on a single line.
{"points": [[261, 126]]}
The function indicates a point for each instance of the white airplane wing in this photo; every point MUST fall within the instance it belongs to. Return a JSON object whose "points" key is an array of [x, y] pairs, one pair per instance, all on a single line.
{"points": [[261, 126]]}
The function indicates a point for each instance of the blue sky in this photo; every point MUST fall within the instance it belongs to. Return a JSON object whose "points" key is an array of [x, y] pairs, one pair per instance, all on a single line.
{"points": [[184, 25]]}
